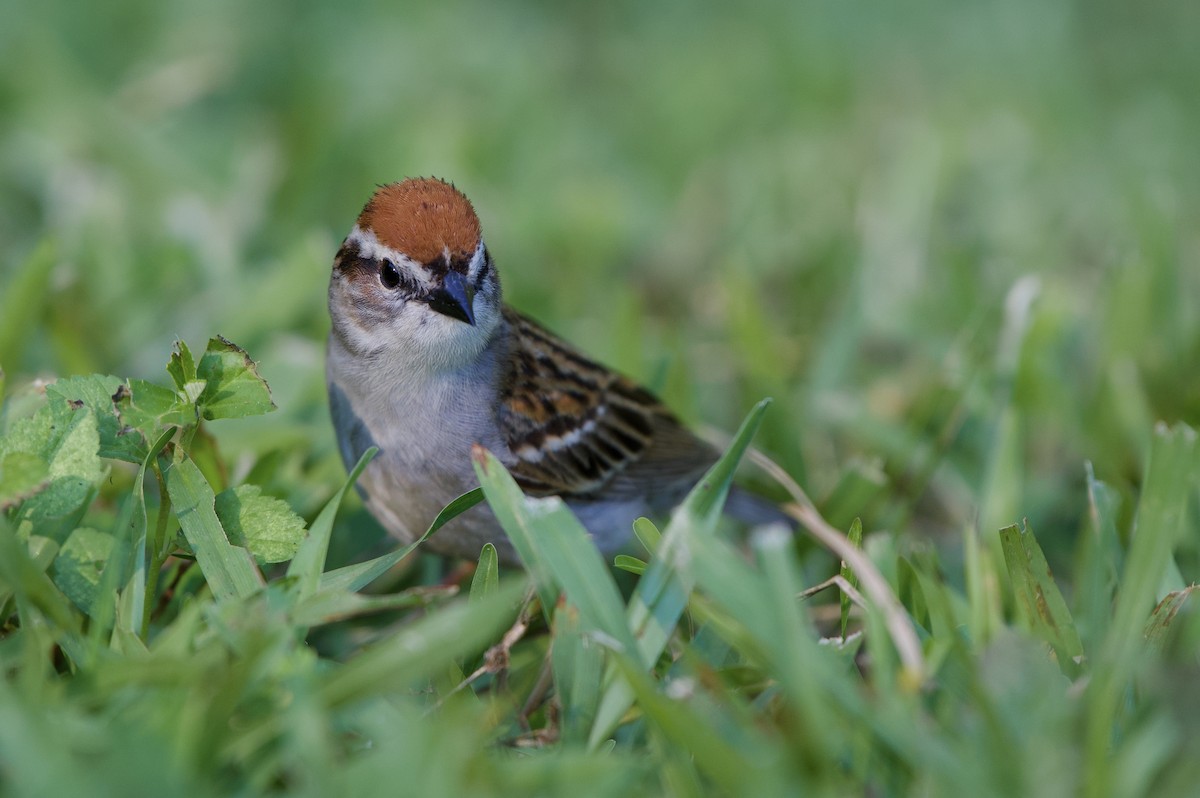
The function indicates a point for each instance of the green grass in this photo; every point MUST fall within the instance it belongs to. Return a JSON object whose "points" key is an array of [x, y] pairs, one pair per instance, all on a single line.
{"points": [[955, 243]]}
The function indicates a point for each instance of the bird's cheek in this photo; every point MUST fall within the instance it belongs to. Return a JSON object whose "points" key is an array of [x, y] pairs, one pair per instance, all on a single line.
{"points": [[487, 316]]}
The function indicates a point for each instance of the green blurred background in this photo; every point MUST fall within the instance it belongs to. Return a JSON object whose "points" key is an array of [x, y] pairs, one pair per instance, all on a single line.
{"points": [[957, 242]]}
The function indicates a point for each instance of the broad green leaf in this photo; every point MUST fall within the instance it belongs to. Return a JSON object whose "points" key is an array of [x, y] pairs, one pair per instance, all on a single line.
{"points": [[229, 570], [99, 392], [64, 436], [359, 575], [43, 432], [182, 366], [41, 552], [147, 407], [76, 452], [79, 564], [190, 392], [234, 388], [265, 525], [1039, 597], [487, 574], [34, 590], [22, 474]]}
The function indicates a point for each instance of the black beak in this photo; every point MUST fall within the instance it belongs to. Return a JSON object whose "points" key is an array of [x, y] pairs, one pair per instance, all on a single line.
{"points": [[454, 298]]}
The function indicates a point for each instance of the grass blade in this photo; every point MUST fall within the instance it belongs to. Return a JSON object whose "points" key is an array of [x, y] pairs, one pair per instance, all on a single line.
{"points": [[578, 664], [855, 537], [556, 548], [359, 575], [647, 534], [1169, 475], [631, 564], [1160, 623], [735, 756], [487, 574], [229, 570], [1038, 596], [421, 649], [1099, 565], [129, 555], [309, 561], [1170, 472], [791, 642], [329, 606], [662, 593]]}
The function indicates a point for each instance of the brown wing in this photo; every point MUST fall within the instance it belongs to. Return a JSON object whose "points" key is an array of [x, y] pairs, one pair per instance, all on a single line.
{"points": [[578, 429]]}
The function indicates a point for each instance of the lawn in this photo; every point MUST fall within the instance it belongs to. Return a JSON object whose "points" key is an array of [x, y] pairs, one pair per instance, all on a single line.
{"points": [[954, 243]]}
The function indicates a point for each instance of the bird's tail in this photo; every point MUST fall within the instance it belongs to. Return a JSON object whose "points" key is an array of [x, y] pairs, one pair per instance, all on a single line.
{"points": [[755, 510]]}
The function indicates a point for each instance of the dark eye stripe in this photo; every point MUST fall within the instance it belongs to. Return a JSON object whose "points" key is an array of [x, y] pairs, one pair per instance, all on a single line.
{"points": [[348, 260], [483, 270]]}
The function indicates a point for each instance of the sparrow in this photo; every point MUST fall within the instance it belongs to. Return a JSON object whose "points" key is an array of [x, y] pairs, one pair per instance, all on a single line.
{"points": [[424, 360]]}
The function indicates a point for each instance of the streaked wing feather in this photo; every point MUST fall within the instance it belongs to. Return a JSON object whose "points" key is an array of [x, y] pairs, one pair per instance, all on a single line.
{"points": [[578, 429]]}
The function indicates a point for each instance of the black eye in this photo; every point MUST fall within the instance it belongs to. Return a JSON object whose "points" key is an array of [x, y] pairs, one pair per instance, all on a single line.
{"points": [[389, 277]]}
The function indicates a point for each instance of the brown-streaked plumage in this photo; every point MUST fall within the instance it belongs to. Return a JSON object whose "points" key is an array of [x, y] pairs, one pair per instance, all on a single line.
{"points": [[425, 362]]}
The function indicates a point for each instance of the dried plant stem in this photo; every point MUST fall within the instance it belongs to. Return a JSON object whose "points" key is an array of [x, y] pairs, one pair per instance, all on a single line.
{"points": [[899, 625]]}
